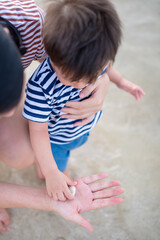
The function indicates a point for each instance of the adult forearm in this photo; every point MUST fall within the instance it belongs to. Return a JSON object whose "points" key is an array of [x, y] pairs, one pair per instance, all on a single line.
{"points": [[17, 196]]}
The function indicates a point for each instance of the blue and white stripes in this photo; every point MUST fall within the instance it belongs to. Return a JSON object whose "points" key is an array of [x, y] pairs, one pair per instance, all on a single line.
{"points": [[45, 97]]}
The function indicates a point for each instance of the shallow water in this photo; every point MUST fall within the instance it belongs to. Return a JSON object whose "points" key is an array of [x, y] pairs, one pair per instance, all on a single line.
{"points": [[125, 144]]}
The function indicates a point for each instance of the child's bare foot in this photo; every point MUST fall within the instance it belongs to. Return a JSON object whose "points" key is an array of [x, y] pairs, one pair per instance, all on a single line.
{"points": [[4, 220]]}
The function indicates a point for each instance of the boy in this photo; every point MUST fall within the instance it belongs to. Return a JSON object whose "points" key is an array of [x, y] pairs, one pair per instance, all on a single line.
{"points": [[18, 196], [81, 37]]}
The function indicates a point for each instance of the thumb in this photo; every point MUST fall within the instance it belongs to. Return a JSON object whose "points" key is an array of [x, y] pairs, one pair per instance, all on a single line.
{"points": [[87, 90], [83, 222], [71, 182]]}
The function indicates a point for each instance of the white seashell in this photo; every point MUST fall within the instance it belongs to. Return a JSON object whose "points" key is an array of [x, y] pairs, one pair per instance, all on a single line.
{"points": [[73, 190]]}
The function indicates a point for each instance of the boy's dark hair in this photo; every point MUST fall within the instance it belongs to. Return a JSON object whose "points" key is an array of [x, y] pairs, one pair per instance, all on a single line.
{"points": [[81, 36], [11, 73]]}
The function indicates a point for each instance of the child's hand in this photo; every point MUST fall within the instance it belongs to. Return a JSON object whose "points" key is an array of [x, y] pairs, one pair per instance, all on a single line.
{"points": [[57, 186], [132, 88]]}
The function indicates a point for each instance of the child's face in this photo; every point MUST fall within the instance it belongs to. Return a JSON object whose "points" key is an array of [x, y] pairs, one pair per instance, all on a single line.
{"points": [[67, 82]]}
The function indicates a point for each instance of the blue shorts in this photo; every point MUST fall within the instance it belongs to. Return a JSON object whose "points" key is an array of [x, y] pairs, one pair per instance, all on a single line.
{"points": [[61, 153]]}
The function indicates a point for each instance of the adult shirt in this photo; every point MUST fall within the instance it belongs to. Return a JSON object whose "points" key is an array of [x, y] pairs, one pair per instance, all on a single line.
{"points": [[45, 98], [28, 18]]}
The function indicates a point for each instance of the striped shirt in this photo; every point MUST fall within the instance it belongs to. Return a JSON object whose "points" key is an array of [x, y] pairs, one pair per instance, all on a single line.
{"points": [[28, 19], [45, 97]]}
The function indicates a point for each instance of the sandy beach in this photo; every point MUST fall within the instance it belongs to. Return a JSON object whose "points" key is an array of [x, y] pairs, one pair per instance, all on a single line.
{"points": [[125, 144]]}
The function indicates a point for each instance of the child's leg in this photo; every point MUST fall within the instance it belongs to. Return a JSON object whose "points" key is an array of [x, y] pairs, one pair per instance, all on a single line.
{"points": [[61, 156], [61, 153]]}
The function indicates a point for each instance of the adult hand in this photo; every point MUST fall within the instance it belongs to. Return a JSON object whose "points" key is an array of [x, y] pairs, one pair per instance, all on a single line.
{"points": [[89, 196], [86, 109]]}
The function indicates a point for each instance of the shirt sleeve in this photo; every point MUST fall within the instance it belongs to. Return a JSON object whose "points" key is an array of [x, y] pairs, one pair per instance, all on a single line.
{"points": [[38, 103], [41, 49], [103, 72]]}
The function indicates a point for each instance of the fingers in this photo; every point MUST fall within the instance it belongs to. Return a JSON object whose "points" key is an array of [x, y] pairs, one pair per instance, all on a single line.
{"points": [[54, 196], [90, 104], [70, 181], [74, 110], [4, 221], [83, 109], [67, 191], [102, 185], [61, 197], [83, 222], [80, 110], [2, 227], [87, 90], [84, 121], [136, 96], [141, 93], [74, 105], [138, 93], [68, 194], [61, 191], [101, 203], [94, 178], [108, 193], [77, 115]]}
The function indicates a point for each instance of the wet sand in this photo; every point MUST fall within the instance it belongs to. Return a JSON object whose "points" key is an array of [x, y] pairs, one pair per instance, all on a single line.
{"points": [[125, 144]]}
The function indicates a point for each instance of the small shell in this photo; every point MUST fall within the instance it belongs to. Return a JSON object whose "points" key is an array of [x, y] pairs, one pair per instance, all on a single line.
{"points": [[73, 190]]}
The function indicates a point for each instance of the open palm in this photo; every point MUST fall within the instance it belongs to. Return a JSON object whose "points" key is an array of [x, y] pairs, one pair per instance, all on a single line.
{"points": [[89, 195]]}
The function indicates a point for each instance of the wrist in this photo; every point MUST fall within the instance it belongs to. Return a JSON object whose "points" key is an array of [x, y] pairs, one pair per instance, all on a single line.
{"points": [[39, 199], [50, 170], [46, 203]]}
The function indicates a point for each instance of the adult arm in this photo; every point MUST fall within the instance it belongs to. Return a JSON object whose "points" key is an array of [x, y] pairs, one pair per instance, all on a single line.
{"points": [[89, 195]]}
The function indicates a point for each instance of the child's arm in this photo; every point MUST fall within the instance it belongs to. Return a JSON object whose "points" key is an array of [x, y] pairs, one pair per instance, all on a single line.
{"points": [[56, 182], [124, 84]]}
